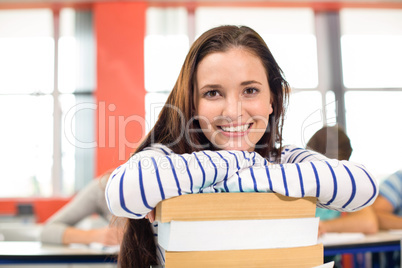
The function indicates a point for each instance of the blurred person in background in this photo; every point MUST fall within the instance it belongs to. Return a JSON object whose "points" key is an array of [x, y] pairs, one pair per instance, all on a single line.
{"points": [[61, 227], [388, 208], [333, 142], [388, 205]]}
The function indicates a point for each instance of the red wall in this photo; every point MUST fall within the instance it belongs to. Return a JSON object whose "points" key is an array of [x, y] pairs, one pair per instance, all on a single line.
{"points": [[120, 93], [43, 208]]}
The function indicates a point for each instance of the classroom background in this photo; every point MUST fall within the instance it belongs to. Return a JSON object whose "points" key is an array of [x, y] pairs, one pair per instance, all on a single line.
{"points": [[81, 82]]}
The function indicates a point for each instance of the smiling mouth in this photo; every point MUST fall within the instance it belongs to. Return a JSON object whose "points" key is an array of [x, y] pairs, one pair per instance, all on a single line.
{"points": [[236, 129]]}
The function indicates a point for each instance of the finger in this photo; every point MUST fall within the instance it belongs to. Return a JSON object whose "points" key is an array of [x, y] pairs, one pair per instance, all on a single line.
{"points": [[151, 216]]}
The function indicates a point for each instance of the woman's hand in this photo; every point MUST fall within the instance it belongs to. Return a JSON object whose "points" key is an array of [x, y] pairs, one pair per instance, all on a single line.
{"points": [[107, 236], [151, 216]]}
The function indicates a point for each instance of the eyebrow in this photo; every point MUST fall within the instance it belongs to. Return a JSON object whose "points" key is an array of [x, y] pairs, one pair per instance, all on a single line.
{"points": [[214, 86], [246, 83], [218, 86]]}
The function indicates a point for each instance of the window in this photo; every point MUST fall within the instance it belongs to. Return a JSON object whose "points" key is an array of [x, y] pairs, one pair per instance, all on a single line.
{"points": [[35, 154], [27, 144], [371, 56], [373, 123], [303, 117], [166, 46], [371, 48]]}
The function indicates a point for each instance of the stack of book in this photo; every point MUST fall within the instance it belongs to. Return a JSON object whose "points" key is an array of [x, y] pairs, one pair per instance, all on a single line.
{"points": [[239, 230]]}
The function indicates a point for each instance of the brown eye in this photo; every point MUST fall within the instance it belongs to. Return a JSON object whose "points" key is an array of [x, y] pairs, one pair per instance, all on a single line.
{"points": [[250, 91], [211, 93]]}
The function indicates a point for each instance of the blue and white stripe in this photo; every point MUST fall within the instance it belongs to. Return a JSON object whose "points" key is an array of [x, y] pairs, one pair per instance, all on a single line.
{"points": [[157, 173]]}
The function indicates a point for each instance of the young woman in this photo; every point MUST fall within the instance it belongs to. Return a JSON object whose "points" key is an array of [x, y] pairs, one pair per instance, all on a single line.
{"points": [[221, 131]]}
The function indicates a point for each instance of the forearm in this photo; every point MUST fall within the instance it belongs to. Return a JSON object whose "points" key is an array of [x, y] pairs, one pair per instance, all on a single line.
{"points": [[337, 185], [136, 187], [341, 185], [388, 220], [74, 235], [350, 225], [53, 233], [384, 209]]}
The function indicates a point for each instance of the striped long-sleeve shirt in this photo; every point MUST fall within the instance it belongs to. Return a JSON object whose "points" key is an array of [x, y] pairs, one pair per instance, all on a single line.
{"points": [[156, 173]]}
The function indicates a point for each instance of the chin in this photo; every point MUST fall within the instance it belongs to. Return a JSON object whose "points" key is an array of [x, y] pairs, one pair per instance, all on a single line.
{"points": [[237, 145], [237, 148]]}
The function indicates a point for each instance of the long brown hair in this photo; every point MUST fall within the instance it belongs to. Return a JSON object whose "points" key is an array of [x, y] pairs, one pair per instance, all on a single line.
{"points": [[177, 117]]}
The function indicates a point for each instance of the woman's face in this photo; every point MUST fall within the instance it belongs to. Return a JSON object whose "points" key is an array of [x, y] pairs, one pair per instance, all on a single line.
{"points": [[232, 98]]}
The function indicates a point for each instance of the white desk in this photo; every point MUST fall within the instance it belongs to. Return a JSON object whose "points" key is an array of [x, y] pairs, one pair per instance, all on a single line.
{"points": [[38, 253], [381, 242], [377, 243]]}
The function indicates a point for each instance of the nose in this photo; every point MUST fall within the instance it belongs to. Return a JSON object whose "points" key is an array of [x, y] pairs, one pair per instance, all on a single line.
{"points": [[232, 109]]}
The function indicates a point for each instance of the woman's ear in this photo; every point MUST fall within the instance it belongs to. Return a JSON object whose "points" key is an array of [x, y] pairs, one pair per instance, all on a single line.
{"points": [[271, 109]]}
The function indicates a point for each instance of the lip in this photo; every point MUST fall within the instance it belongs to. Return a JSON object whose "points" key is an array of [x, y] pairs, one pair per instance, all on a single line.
{"points": [[234, 134]]}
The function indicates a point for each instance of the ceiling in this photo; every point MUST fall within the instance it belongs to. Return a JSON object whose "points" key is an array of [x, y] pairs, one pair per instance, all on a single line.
{"points": [[200, 1], [316, 4]]}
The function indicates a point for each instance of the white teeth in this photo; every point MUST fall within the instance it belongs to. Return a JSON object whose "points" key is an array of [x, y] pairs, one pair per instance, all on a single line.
{"points": [[241, 128]]}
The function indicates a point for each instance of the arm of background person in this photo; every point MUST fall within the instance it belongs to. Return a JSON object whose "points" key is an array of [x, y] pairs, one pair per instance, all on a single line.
{"points": [[59, 229], [384, 210], [106, 236], [362, 221]]}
